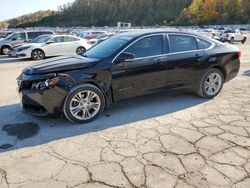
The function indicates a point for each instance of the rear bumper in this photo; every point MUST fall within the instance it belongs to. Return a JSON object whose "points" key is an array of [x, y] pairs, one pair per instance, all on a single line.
{"points": [[232, 70]]}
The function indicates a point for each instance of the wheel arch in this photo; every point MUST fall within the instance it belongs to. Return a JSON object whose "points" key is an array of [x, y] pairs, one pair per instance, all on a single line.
{"points": [[222, 69], [5, 45], [107, 95]]}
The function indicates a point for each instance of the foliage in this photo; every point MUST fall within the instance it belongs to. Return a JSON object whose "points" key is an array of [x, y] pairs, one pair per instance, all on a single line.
{"points": [[4, 25], [109, 12], [30, 18], [139, 13], [216, 11]]}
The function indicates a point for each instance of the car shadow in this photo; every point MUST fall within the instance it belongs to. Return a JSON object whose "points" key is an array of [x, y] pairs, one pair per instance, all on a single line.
{"points": [[4, 59], [18, 130], [246, 73]]}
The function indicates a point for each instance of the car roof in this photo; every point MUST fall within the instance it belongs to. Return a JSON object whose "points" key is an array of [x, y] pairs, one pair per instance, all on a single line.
{"points": [[141, 33], [138, 33]]}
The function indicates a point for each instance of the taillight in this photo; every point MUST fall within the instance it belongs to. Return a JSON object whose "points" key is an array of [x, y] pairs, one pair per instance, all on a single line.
{"points": [[239, 54]]}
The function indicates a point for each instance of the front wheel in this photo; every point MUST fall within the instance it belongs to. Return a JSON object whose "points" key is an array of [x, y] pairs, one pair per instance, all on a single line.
{"points": [[5, 50], [232, 40], [211, 83], [37, 55], [244, 40], [84, 104], [80, 50]]}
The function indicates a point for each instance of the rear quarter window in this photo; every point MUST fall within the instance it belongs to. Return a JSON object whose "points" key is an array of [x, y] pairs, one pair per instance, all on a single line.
{"points": [[203, 44], [182, 43]]}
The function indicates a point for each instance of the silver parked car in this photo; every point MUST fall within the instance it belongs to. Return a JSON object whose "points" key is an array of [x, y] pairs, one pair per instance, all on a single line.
{"points": [[14, 49], [19, 38], [53, 45]]}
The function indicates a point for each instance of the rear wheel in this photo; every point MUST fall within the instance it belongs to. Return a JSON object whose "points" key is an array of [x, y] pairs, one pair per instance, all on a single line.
{"points": [[37, 55], [80, 50], [84, 104], [5, 50], [211, 83]]}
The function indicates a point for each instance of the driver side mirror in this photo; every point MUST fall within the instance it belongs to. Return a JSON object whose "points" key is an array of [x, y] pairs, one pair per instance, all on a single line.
{"points": [[13, 39], [125, 57]]}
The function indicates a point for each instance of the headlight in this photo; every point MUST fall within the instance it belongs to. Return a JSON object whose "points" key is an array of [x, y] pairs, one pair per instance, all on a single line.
{"points": [[22, 49], [49, 83]]}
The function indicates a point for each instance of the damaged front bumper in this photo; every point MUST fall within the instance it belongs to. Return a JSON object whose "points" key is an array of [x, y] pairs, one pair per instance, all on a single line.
{"points": [[40, 101]]}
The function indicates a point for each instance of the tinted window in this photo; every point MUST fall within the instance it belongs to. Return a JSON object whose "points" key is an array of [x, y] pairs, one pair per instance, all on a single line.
{"points": [[180, 43], [58, 39], [20, 36], [203, 44], [149, 46], [32, 35]]}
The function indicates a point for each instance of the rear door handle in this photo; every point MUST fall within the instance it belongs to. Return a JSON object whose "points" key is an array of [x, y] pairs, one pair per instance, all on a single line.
{"points": [[198, 56]]}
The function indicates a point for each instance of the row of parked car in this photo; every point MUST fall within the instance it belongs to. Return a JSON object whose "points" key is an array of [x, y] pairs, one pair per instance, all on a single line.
{"points": [[40, 44]]}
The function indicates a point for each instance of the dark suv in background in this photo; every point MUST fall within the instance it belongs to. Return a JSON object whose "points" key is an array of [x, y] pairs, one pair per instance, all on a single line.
{"points": [[19, 38]]}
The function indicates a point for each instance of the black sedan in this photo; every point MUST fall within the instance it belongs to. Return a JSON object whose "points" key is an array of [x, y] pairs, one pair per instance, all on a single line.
{"points": [[125, 66]]}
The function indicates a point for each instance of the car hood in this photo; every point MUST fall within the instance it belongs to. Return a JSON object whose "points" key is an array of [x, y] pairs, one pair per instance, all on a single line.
{"points": [[60, 64], [17, 46]]}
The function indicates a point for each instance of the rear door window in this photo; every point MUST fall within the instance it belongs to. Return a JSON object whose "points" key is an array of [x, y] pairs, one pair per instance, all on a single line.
{"points": [[32, 35], [182, 43], [70, 39]]}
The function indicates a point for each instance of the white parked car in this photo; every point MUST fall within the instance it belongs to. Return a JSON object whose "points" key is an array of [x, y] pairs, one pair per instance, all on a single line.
{"points": [[100, 38], [233, 36], [53, 45]]}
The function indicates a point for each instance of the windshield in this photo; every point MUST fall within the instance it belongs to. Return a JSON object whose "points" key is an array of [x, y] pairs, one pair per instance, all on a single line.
{"points": [[40, 39], [83, 35], [107, 48], [9, 36], [44, 39], [101, 36]]}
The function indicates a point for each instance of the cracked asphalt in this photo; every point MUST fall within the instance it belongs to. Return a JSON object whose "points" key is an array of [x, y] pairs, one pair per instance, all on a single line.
{"points": [[156, 141]]}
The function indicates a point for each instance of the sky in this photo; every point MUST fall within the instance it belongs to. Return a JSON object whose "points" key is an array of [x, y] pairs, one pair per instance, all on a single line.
{"points": [[14, 8]]}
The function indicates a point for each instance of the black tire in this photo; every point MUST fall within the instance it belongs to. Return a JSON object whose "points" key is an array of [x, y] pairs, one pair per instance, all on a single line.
{"points": [[80, 50], [244, 40], [202, 89], [232, 40], [4, 50], [68, 101], [37, 54]]}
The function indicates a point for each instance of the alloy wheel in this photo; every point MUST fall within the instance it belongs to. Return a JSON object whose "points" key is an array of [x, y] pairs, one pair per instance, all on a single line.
{"points": [[37, 54], [5, 50], [80, 50], [213, 84], [85, 105]]}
